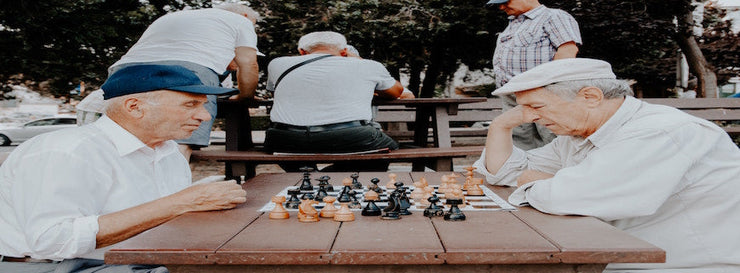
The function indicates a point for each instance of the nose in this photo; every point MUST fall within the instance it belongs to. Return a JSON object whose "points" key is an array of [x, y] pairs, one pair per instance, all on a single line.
{"points": [[530, 114], [202, 114]]}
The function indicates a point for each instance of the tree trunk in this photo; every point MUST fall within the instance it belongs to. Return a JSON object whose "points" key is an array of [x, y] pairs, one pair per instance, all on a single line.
{"points": [[434, 69], [698, 65]]}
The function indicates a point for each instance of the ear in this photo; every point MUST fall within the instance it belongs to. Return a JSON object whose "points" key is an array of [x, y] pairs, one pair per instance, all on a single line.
{"points": [[593, 96], [134, 107], [302, 52], [343, 52]]}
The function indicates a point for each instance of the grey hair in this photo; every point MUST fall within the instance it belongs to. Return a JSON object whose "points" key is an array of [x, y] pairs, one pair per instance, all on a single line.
{"points": [[311, 41], [612, 88], [240, 9]]}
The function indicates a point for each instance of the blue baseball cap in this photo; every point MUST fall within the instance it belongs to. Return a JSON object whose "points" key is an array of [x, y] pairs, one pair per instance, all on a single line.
{"points": [[496, 2], [144, 78]]}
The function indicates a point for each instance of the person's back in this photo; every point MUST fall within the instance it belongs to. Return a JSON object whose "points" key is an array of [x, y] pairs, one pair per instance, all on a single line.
{"points": [[204, 37], [332, 90]]}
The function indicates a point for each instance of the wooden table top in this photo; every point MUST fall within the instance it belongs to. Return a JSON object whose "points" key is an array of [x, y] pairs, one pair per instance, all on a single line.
{"points": [[245, 236]]}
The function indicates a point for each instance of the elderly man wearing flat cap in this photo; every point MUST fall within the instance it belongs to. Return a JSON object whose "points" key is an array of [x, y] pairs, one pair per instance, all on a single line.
{"points": [[67, 196], [535, 35], [660, 174]]}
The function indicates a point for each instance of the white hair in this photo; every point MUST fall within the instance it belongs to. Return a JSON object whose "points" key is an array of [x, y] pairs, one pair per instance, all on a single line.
{"points": [[240, 9], [612, 88], [311, 41]]}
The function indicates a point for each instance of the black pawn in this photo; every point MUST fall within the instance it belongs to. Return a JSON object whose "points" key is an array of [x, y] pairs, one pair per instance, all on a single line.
{"points": [[306, 184], [293, 200], [344, 195], [433, 210], [454, 214], [355, 184], [325, 181], [321, 193], [355, 204], [371, 209], [307, 195], [374, 186]]}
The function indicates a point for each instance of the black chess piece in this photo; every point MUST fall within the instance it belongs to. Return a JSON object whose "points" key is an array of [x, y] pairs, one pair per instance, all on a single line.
{"points": [[433, 210], [355, 184], [371, 209], [324, 179], [306, 184], [307, 195], [454, 214], [391, 212], [374, 186], [293, 200], [404, 201], [344, 195], [355, 203], [321, 193]]}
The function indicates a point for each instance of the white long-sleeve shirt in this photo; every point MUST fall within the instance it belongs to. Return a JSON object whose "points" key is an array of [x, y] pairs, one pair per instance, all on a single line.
{"points": [[54, 186], [653, 171]]}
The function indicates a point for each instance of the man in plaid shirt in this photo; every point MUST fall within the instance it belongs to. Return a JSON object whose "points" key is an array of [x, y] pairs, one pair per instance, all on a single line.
{"points": [[536, 34]]}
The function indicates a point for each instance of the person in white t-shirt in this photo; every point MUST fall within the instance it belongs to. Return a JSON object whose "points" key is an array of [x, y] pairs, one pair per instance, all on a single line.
{"points": [[205, 41], [324, 106], [69, 195]]}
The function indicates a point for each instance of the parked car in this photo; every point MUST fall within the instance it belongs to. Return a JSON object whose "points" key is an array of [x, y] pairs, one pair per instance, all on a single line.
{"points": [[18, 134]]}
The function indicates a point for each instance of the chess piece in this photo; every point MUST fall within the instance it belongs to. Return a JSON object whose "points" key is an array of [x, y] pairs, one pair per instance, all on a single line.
{"points": [[374, 186], [324, 180], [321, 193], [355, 184], [404, 201], [371, 209], [433, 210], [390, 184], [418, 191], [306, 211], [344, 195], [329, 209], [355, 203], [344, 214], [454, 214], [293, 201], [306, 184], [279, 211], [307, 195], [391, 212], [423, 181], [474, 189]]}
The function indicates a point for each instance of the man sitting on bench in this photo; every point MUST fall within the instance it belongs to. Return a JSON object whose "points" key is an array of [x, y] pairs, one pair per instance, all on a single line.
{"points": [[323, 102]]}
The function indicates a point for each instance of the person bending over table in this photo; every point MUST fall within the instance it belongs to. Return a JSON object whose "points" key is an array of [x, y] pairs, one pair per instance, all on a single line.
{"points": [[67, 196], [324, 105], [657, 173]]}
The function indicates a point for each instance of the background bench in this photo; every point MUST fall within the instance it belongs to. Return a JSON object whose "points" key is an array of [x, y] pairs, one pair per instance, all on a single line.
{"points": [[243, 163], [723, 111]]}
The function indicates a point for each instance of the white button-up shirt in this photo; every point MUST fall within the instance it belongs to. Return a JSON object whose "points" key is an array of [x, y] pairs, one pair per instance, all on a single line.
{"points": [[653, 171], [54, 186]]}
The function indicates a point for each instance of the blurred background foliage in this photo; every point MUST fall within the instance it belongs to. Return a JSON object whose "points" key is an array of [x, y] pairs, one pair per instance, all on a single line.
{"points": [[56, 44]]}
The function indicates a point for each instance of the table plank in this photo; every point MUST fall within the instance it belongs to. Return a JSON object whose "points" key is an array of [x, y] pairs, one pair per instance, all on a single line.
{"points": [[186, 240], [372, 240], [493, 237], [582, 239]]}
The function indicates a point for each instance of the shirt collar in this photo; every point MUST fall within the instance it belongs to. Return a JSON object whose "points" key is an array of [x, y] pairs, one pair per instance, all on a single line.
{"points": [[127, 143], [531, 14], [625, 112]]}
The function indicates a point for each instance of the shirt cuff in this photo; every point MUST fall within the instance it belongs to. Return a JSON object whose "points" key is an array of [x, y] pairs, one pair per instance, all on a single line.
{"points": [[85, 232], [519, 196]]}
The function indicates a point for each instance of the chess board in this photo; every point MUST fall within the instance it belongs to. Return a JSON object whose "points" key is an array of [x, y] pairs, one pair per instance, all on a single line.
{"points": [[490, 201]]}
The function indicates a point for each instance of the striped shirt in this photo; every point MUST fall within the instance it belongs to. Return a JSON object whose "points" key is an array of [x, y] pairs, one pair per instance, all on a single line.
{"points": [[530, 39]]}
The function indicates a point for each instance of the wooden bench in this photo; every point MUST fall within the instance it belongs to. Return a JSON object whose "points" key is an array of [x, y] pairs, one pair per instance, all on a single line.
{"points": [[244, 162], [723, 111]]}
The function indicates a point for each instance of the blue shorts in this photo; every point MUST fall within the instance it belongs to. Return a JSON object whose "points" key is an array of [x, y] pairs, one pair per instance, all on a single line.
{"points": [[201, 136]]}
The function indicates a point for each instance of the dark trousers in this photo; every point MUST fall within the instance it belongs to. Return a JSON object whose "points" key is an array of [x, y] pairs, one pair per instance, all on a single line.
{"points": [[346, 140]]}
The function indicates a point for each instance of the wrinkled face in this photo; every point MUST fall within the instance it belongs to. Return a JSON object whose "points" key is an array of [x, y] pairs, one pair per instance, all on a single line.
{"points": [[562, 117], [175, 115], [514, 7]]}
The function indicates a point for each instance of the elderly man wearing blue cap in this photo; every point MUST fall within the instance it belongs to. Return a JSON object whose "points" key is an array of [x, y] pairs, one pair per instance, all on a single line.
{"points": [[67, 196], [653, 171], [535, 35]]}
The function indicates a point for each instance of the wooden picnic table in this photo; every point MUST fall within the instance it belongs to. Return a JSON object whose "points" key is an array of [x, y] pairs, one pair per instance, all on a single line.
{"points": [[246, 240]]}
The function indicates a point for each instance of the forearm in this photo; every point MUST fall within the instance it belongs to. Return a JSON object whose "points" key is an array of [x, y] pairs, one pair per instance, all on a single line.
{"points": [[248, 71], [391, 93], [499, 145], [121, 225], [566, 50]]}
